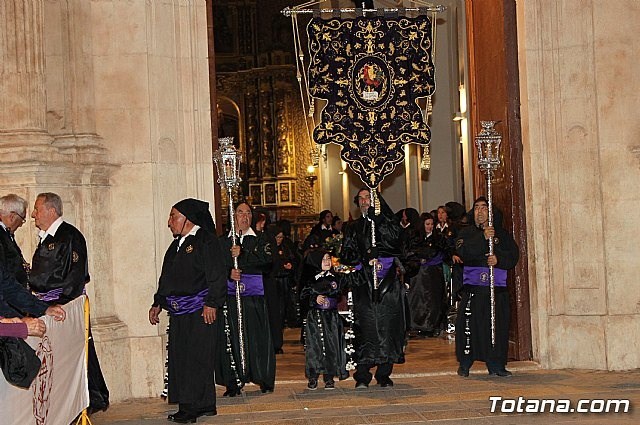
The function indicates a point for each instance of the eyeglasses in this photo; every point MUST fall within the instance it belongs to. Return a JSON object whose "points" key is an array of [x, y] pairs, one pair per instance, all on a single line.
{"points": [[24, 220]]}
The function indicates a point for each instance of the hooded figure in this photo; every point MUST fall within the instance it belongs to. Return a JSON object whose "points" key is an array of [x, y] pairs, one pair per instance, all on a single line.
{"points": [[192, 288], [473, 325]]}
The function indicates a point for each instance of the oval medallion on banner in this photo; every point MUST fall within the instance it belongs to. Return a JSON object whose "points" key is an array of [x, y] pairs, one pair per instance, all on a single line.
{"points": [[370, 82]]}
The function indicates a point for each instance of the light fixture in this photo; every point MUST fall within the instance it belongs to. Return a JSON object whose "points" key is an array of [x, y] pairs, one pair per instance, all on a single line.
{"points": [[311, 175]]}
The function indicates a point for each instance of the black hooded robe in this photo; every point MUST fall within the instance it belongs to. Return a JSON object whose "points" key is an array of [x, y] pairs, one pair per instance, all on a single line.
{"points": [[473, 325], [379, 322]]}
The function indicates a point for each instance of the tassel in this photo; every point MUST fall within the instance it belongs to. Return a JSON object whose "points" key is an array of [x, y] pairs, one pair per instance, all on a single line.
{"points": [[426, 159]]}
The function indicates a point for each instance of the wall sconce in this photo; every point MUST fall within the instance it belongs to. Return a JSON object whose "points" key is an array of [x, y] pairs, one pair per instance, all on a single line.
{"points": [[311, 175]]}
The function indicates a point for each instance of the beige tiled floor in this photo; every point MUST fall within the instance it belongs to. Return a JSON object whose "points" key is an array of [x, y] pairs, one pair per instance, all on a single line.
{"points": [[426, 390]]}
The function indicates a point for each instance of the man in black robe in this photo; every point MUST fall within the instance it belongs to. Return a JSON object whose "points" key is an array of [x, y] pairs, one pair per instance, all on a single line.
{"points": [[59, 272], [13, 210], [379, 325], [254, 255], [473, 325], [192, 289]]}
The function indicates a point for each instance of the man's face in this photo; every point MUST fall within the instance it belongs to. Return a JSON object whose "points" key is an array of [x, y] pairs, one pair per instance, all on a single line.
{"points": [[176, 222], [42, 215], [243, 217], [328, 219], [364, 201], [13, 220], [480, 213]]}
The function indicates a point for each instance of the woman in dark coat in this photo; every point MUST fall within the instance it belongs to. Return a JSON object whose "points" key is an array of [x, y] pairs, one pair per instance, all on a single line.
{"points": [[427, 294]]}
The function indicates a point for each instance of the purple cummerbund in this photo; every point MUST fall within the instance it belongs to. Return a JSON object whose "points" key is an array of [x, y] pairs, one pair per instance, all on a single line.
{"points": [[250, 286], [51, 295], [434, 261], [479, 276], [384, 263], [329, 304], [186, 304]]}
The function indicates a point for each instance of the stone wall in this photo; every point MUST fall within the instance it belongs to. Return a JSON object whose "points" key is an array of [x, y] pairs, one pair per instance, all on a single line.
{"points": [[579, 67]]}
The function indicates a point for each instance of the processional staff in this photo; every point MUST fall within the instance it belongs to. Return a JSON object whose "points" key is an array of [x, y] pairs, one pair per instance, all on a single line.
{"points": [[227, 160], [488, 145]]}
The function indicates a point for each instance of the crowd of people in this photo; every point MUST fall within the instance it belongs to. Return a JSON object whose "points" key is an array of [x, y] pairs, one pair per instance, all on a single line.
{"points": [[403, 270], [229, 298]]}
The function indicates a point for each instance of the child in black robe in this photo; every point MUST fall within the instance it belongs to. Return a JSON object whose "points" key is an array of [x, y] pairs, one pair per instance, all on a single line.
{"points": [[325, 342]]}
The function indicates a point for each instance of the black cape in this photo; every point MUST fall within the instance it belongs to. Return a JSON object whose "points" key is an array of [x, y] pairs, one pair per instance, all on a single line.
{"points": [[379, 322]]}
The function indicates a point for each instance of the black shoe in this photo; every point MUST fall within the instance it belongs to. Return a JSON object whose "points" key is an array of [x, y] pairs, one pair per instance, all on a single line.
{"points": [[385, 382], [265, 389], [313, 384], [330, 385], [232, 392], [361, 384], [503, 373], [279, 351], [182, 417], [464, 372]]}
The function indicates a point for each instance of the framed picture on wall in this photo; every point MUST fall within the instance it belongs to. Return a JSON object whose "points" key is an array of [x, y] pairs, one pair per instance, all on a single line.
{"points": [[284, 192], [270, 197], [255, 191]]}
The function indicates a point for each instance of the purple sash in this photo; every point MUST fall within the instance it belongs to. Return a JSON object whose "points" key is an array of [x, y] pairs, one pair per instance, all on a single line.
{"points": [[330, 304], [53, 294], [250, 285], [479, 276], [187, 303], [432, 261], [384, 264]]}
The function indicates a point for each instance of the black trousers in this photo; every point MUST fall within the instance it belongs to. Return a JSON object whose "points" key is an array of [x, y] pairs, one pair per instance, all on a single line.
{"points": [[363, 373]]}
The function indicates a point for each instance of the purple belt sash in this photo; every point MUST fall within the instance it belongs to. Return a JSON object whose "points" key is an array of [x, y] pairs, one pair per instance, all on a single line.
{"points": [[434, 261], [329, 304], [479, 276], [384, 264], [186, 304], [53, 294], [250, 285]]}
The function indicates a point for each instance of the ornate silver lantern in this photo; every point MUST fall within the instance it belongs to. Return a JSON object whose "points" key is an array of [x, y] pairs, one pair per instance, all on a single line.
{"points": [[227, 160], [488, 144]]}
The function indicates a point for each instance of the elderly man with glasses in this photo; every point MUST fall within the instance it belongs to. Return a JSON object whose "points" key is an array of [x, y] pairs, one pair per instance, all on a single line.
{"points": [[13, 210]]}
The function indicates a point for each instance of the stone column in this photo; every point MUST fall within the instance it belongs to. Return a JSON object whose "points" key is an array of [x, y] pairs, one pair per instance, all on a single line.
{"points": [[22, 82]]}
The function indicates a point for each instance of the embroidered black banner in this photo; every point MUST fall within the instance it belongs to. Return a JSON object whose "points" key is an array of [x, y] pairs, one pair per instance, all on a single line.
{"points": [[371, 71]]}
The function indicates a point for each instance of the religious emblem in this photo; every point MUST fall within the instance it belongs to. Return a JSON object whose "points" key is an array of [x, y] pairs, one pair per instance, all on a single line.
{"points": [[75, 257], [189, 249], [334, 285], [484, 277], [51, 246], [496, 241], [459, 243], [175, 306], [241, 287], [43, 383]]}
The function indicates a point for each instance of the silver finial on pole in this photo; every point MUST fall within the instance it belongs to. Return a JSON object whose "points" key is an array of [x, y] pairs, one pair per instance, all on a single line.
{"points": [[227, 160], [488, 145]]}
